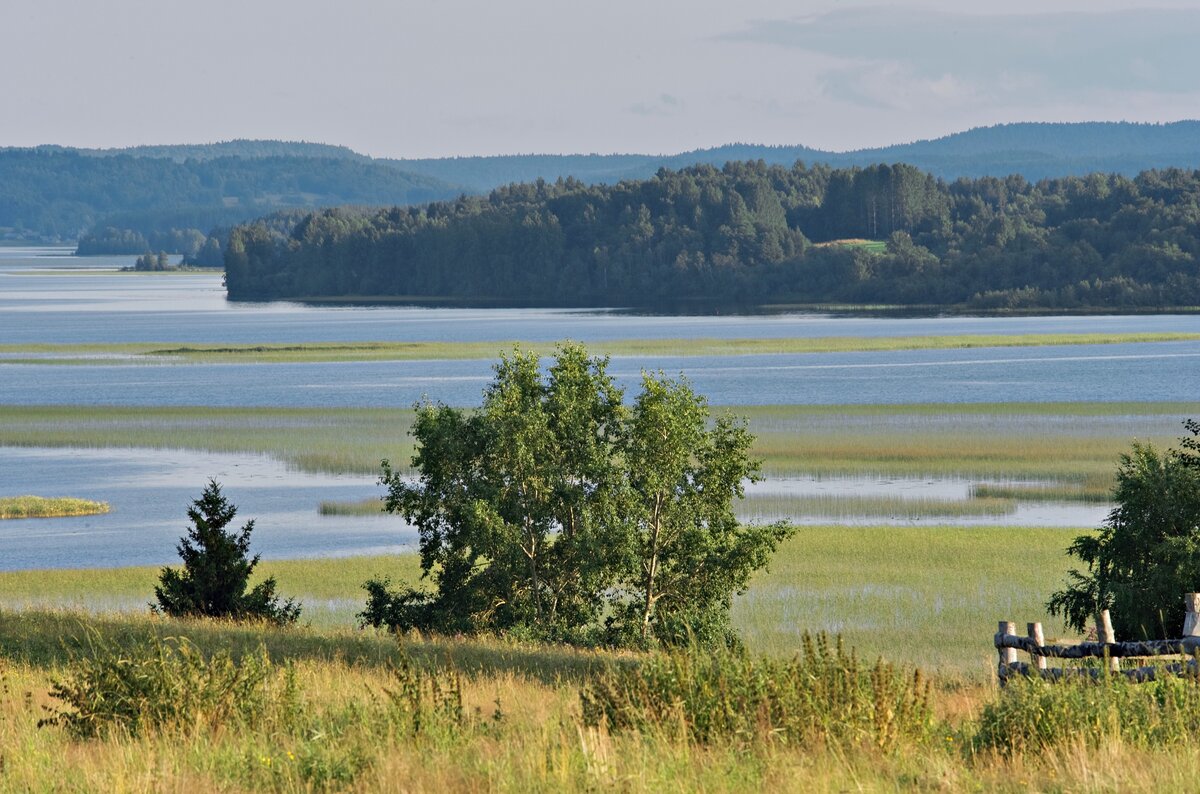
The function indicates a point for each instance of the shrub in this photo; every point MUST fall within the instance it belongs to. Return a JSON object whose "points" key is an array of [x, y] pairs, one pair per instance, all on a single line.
{"points": [[166, 684], [1032, 715], [823, 695]]}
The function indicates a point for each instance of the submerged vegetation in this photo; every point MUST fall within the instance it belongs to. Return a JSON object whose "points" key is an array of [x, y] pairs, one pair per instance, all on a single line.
{"points": [[42, 507]]}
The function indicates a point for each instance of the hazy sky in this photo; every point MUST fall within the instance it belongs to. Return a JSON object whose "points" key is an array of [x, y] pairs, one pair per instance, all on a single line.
{"points": [[454, 77]]}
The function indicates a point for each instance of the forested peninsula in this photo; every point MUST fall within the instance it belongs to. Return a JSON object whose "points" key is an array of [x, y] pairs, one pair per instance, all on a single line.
{"points": [[751, 233]]}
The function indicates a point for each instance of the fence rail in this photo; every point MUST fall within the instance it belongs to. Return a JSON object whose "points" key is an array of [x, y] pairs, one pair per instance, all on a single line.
{"points": [[1008, 642]]}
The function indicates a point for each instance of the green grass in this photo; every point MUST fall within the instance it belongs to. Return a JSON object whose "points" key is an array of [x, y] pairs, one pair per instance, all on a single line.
{"points": [[42, 507], [928, 595], [412, 351]]}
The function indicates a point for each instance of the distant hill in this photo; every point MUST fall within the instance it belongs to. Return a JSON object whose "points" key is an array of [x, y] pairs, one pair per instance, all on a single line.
{"points": [[1033, 150], [58, 194], [250, 149]]}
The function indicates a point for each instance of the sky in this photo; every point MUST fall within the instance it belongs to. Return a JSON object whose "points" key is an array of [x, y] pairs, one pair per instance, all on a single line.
{"points": [[434, 78]]}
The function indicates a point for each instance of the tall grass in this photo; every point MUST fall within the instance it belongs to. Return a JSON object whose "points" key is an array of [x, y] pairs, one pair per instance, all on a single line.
{"points": [[43, 507]]}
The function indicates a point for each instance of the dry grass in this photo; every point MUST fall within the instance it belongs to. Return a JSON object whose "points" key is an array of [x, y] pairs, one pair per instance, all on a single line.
{"points": [[522, 731]]}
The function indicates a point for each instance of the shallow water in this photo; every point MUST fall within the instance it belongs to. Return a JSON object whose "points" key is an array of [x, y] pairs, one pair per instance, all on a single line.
{"points": [[149, 491]]}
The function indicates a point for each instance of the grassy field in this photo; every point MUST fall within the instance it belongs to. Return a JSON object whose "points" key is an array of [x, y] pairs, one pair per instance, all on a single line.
{"points": [[928, 597], [165, 352], [879, 586], [42, 507]]}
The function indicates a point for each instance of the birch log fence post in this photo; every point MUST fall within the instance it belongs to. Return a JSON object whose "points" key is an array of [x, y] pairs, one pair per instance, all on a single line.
{"points": [[1008, 656], [1039, 639], [1106, 635], [1191, 618]]}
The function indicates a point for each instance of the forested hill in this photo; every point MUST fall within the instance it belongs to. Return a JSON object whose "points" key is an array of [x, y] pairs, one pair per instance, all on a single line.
{"points": [[58, 194], [752, 233], [1033, 150]]}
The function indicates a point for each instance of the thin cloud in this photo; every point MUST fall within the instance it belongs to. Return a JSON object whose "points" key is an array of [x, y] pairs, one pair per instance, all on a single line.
{"points": [[891, 58]]}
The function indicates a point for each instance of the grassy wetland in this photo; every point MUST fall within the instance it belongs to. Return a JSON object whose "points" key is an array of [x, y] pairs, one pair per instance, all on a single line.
{"points": [[165, 352]]}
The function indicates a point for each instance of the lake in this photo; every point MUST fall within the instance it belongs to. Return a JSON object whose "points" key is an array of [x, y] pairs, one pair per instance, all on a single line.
{"points": [[48, 296]]}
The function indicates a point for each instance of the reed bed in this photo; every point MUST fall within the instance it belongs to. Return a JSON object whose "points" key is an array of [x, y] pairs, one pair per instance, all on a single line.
{"points": [[772, 507], [1099, 492], [52, 507], [364, 507], [166, 352], [1072, 442]]}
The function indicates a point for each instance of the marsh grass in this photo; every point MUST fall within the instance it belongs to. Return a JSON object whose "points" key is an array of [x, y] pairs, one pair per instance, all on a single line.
{"points": [[830, 506], [43, 507], [1070, 442], [1099, 493], [364, 507], [166, 352]]}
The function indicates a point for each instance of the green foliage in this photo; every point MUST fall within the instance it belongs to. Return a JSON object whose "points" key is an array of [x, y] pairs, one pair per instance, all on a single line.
{"points": [[165, 685], [216, 570], [555, 507], [691, 553], [741, 233], [823, 695], [1147, 554], [1034, 715]]}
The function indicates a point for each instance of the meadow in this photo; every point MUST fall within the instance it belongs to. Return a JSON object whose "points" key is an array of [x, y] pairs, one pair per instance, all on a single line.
{"points": [[344, 709], [878, 586]]}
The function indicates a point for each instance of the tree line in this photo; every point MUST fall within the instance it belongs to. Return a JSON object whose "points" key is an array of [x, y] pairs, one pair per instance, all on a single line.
{"points": [[750, 232]]}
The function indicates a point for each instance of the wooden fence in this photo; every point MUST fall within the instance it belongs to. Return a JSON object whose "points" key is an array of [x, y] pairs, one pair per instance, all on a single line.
{"points": [[1008, 642]]}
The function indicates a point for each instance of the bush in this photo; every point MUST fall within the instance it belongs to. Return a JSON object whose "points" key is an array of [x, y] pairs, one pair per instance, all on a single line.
{"points": [[823, 695], [1033, 715], [166, 684]]}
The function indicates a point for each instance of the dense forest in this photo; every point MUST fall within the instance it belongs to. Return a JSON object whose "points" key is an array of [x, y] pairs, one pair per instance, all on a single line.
{"points": [[752, 233]]}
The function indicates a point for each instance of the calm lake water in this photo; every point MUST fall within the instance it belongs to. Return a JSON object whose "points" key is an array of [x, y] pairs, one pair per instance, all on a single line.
{"points": [[46, 295]]}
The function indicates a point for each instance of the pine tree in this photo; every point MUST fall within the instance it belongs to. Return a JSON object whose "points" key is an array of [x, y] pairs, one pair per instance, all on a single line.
{"points": [[216, 570]]}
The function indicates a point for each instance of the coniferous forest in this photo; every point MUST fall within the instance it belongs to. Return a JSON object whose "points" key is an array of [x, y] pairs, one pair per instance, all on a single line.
{"points": [[752, 233]]}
